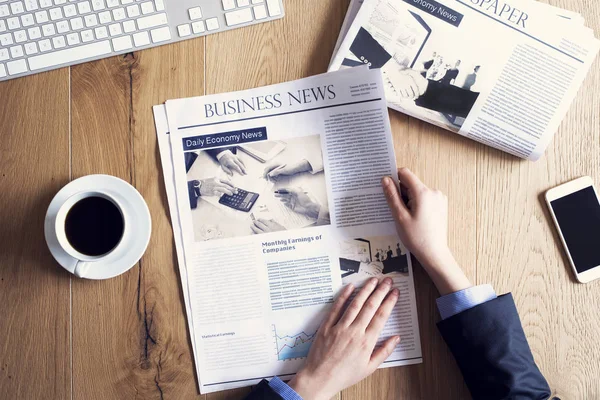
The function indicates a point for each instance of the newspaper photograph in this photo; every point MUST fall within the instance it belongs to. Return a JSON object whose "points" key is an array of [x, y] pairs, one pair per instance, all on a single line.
{"points": [[443, 63], [279, 203]]}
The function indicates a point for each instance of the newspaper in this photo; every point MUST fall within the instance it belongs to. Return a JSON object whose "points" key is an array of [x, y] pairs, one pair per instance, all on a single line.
{"points": [[443, 62], [260, 281]]}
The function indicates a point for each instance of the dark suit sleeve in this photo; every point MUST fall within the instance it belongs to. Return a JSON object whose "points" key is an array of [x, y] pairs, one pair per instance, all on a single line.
{"points": [[263, 392], [492, 352], [447, 99], [215, 152]]}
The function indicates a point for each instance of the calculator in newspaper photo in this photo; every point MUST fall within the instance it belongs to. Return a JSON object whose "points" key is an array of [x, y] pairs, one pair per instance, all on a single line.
{"points": [[242, 200]]}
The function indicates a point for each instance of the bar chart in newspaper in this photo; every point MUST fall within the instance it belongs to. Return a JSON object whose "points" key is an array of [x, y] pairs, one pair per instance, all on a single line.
{"points": [[293, 344]]}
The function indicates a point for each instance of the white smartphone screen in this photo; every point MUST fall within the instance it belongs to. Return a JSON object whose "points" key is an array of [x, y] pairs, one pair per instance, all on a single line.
{"points": [[578, 215]]}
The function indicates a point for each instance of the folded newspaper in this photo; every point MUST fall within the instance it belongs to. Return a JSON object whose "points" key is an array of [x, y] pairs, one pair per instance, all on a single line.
{"points": [[276, 202], [503, 73]]}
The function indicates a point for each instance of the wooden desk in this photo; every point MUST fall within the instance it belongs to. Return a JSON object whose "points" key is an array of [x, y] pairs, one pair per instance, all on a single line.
{"points": [[126, 338]]}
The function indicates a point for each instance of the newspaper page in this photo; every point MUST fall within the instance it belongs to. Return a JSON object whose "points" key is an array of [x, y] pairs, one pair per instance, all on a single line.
{"points": [[264, 267], [552, 11], [443, 62]]}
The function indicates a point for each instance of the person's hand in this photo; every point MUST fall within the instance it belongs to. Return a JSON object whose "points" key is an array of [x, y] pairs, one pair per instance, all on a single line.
{"points": [[301, 202], [216, 187], [262, 225], [404, 83], [230, 162], [422, 225], [343, 352], [278, 168]]}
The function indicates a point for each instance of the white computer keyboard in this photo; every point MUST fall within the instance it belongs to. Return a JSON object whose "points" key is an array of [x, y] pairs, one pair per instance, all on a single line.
{"points": [[40, 35]]}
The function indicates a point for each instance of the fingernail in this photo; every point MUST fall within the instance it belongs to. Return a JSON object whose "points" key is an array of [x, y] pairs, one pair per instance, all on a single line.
{"points": [[373, 281], [350, 287], [396, 292], [397, 340], [387, 281], [386, 180]]}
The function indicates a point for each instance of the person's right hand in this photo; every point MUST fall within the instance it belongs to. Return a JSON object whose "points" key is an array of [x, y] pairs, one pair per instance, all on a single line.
{"points": [[216, 187], [343, 352], [278, 168], [404, 83], [301, 202], [422, 225]]}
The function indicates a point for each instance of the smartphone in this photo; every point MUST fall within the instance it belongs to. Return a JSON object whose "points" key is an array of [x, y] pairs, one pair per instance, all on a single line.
{"points": [[575, 209]]}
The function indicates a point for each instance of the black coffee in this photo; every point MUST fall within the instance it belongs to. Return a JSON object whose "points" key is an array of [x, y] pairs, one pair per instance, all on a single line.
{"points": [[94, 226]]}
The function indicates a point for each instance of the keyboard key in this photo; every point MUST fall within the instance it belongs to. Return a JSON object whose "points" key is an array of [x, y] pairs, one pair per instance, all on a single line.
{"points": [[101, 32], [4, 11], [184, 30], [195, 13], [62, 26], [129, 26], [59, 42], [198, 27], [48, 30], [260, 12], [46, 3], [16, 67], [76, 23], [2, 71], [152, 21], [87, 36], [73, 39], [27, 20], [60, 2], [13, 23], [112, 3], [125, 2], [2, 26], [45, 45], [119, 14], [70, 10], [160, 5], [122, 43], [257, 1], [34, 33], [70, 55], [238, 17], [98, 5], [243, 3], [133, 11], [84, 7], [31, 48], [20, 36], [55, 14], [274, 7], [17, 7], [90, 20], [212, 24], [115, 29], [31, 5], [228, 5], [6, 39], [141, 39], [41, 17], [105, 17], [147, 8], [160, 34], [16, 51], [3, 54]]}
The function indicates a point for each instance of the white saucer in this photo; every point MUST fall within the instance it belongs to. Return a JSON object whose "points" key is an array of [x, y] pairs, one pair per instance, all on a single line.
{"points": [[114, 263]]}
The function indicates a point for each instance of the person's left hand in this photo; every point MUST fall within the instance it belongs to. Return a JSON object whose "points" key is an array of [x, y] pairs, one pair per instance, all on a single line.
{"points": [[343, 352], [230, 162], [301, 202], [262, 225], [277, 168]]}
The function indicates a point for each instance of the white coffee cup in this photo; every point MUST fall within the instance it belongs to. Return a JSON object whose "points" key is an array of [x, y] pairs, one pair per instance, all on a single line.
{"points": [[136, 227]]}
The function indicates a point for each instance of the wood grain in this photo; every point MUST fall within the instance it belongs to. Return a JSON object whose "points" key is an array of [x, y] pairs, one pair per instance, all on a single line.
{"points": [[129, 336], [34, 291]]}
